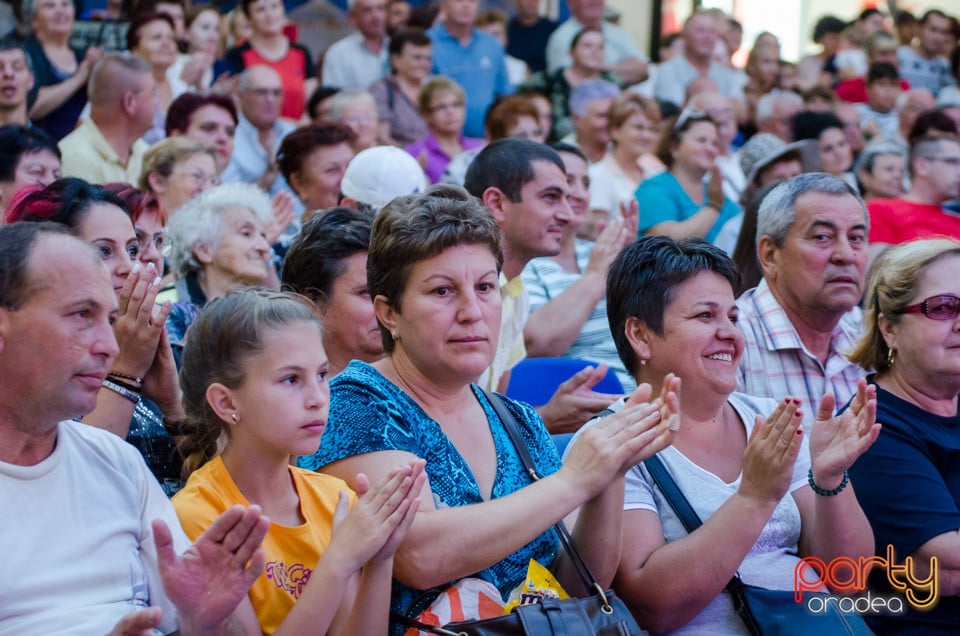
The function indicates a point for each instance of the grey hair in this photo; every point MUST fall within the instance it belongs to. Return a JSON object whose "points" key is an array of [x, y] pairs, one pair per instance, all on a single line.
{"points": [[588, 91], [876, 149], [778, 209], [243, 83], [200, 219], [769, 101], [343, 99]]}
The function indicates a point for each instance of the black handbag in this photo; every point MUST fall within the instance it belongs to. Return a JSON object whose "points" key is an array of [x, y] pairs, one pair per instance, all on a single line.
{"points": [[601, 614], [764, 612]]}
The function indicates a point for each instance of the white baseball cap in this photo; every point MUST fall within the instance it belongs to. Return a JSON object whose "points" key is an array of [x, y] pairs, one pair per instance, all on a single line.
{"points": [[378, 175]]}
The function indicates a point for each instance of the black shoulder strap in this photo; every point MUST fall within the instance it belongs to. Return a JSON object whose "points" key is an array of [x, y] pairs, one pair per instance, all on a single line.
{"points": [[672, 493], [510, 425]]}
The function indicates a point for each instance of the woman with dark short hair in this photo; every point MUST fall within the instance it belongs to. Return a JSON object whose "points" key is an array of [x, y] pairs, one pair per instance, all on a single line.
{"points": [[28, 156], [433, 269], [396, 94], [313, 159], [210, 119]]}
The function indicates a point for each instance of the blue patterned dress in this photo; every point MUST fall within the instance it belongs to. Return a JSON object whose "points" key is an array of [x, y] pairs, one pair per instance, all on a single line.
{"points": [[368, 413]]}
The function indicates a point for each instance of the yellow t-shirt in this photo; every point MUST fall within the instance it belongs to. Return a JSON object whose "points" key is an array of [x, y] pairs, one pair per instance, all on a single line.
{"points": [[291, 552]]}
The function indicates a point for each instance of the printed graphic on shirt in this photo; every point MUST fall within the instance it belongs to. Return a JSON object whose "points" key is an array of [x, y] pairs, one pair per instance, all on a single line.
{"points": [[291, 578]]}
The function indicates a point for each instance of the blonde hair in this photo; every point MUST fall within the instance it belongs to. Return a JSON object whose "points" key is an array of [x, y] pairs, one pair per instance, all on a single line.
{"points": [[165, 155], [224, 337], [891, 286], [434, 87]]}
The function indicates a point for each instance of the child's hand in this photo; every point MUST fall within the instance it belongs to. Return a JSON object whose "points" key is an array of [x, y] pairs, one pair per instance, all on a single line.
{"points": [[379, 521]]}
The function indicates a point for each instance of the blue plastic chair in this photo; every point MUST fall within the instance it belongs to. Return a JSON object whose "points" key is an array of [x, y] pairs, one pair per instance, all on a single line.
{"points": [[535, 380]]}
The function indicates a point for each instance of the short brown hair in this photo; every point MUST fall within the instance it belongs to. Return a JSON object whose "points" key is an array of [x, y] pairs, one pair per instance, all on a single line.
{"points": [[414, 228], [505, 113], [627, 105]]}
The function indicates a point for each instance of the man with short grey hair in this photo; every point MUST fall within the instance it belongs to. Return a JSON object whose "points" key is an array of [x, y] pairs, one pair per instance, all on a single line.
{"points": [[880, 169], [812, 248], [106, 146], [775, 111], [589, 103]]}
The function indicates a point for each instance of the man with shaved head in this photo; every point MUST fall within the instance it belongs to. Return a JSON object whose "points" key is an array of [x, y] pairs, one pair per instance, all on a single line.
{"points": [[107, 146]]}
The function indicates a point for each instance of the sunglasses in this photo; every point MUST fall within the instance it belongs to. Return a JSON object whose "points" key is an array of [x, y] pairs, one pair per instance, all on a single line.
{"points": [[943, 307]]}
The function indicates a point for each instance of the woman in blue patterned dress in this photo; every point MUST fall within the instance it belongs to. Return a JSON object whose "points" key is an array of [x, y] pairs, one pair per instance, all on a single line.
{"points": [[433, 271]]}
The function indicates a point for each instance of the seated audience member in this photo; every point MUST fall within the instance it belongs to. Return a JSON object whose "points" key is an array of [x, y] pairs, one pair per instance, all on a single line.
{"points": [[18, 80], [511, 116], [327, 263], [820, 68], [61, 72], [528, 33], [217, 242], [923, 63], [681, 202], [763, 74], [568, 311], [312, 160], [151, 36], [142, 387], [933, 123], [880, 170], [879, 47], [878, 116], [441, 104], [421, 401], [775, 112], [494, 22], [819, 99], [722, 110], [28, 156], [242, 427], [765, 159], [107, 146], [589, 105], [586, 63], [359, 59], [175, 170], [269, 46], [907, 27], [935, 178], [911, 321], [804, 315], [204, 47], [699, 41], [910, 105], [744, 462], [319, 103], [260, 130], [84, 497], [151, 234], [398, 16], [356, 109], [634, 124], [836, 156], [209, 119], [470, 58], [400, 123], [377, 176], [620, 52]]}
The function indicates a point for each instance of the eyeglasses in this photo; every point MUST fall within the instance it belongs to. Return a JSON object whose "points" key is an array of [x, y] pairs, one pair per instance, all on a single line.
{"points": [[943, 307], [158, 239], [446, 106], [262, 93]]}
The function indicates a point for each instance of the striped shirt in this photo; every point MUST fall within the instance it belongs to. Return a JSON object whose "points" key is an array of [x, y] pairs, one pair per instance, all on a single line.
{"points": [[776, 363], [544, 280]]}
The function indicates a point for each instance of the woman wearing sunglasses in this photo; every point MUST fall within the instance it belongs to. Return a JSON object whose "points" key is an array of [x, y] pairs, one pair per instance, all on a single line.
{"points": [[908, 482]]}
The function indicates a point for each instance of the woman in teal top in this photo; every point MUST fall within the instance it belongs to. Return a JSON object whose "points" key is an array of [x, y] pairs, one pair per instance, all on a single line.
{"points": [[684, 203]]}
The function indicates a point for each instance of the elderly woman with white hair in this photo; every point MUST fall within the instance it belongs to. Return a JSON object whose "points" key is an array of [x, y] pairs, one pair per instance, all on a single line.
{"points": [[217, 242], [356, 109]]}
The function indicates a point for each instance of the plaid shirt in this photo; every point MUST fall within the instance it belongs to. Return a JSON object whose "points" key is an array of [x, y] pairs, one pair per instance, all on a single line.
{"points": [[776, 363]]}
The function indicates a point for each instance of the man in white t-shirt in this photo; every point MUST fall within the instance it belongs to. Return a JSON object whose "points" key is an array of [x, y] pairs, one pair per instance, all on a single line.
{"points": [[91, 543]]}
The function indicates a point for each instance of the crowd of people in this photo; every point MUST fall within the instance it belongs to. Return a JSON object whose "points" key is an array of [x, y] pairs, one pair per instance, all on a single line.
{"points": [[221, 248]]}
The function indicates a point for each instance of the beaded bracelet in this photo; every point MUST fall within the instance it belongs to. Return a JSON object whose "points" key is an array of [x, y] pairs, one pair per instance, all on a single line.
{"points": [[122, 391], [828, 493]]}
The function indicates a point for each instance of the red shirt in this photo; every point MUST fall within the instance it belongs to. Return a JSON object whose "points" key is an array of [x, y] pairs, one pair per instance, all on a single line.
{"points": [[898, 221], [854, 90]]}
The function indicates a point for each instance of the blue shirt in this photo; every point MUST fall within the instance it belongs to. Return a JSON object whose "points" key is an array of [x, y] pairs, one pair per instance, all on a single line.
{"points": [[368, 413], [479, 67], [662, 198]]}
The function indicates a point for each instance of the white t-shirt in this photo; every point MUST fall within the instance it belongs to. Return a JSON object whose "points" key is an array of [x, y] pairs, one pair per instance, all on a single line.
{"points": [[76, 536]]}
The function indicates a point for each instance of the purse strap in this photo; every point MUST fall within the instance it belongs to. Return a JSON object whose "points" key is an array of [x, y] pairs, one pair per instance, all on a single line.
{"points": [[513, 431], [681, 506]]}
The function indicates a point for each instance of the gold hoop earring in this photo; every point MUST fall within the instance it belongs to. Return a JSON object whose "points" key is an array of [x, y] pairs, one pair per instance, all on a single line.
{"points": [[891, 357]]}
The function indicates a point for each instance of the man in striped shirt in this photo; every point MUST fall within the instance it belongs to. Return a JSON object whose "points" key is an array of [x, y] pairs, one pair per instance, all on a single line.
{"points": [[803, 317]]}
